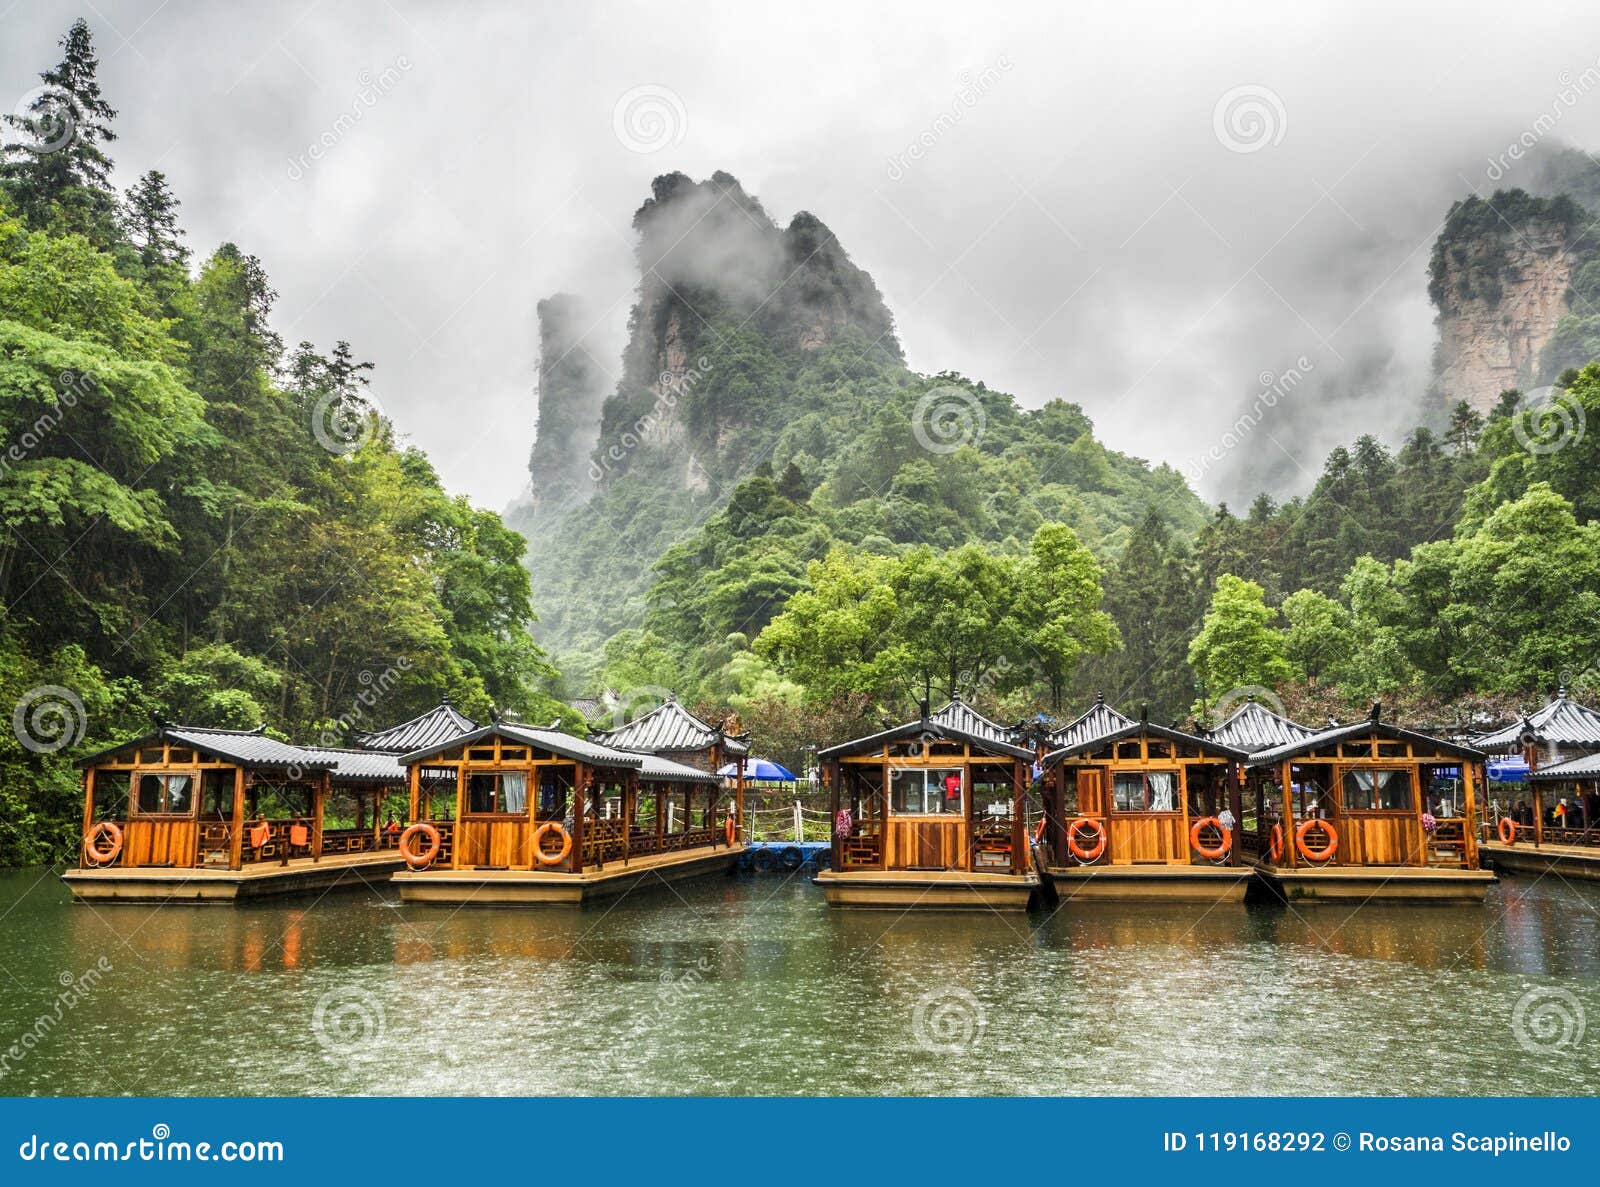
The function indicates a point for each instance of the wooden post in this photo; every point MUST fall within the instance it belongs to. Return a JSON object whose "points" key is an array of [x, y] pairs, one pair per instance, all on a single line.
{"points": [[88, 816], [630, 808], [1019, 826], [319, 806], [661, 817], [579, 794], [1288, 816], [830, 780], [415, 779], [1469, 810], [1183, 808], [1235, 777], [1538, 814], [236, 833], [738, 800]]}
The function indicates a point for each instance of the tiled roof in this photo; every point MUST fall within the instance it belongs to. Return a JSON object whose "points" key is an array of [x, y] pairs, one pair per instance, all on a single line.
{"points": [[666, 769], [1252, 726], [438, 723], [247, 748], [1098, 724], [1562, 722], [364, 766], [669, 727], [1359, 729], [955, 722], [577, 749], [1586, 767]]}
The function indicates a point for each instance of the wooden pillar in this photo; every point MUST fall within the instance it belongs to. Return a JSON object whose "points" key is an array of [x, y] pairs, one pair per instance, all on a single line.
{"points": [[630, 809], [236, 832], [830, 780], [1288, 816], [1019, 825], [415, 777], [1538, 813], [88, 816], [319, 805], [1235, 776], [661, 815], [579, 794], [1470, 774], [1183, 808], [738, 800]]}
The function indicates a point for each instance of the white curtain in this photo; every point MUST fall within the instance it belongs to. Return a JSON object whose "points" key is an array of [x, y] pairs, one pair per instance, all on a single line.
{"points": [[515, 790], [1163, 788]]}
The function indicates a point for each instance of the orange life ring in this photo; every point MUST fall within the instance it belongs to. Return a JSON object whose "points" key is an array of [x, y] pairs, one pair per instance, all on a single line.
{"points": [[730, 830], [1306, 851], [260, 834], [551, 859], [1275, 843], [1214, 853], [1508, 830], [424, 859], [106, 855], [1079, 825]]}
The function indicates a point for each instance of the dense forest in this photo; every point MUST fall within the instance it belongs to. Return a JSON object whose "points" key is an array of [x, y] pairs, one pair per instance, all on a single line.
{"points": [[200, 521], [770, 513]]}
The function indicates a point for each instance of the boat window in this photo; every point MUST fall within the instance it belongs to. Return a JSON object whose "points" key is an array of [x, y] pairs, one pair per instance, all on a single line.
{"points": [[481, 754], [509, 752], [1127, 750], [165, 795], [1160, 749], [926, 791], [555, 784], [1377, 791], [153, 756], [497, 792], [216, 794], [1145, 791]]}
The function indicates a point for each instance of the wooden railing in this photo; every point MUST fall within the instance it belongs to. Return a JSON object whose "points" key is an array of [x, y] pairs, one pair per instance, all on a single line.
{"points": [[357, 840], [863, 849], [1446, 845], [991, 848], [281, 835]]}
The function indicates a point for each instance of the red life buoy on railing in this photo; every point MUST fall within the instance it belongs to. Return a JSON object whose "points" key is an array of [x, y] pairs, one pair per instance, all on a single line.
{"points": [[1311, 852], [546, 858], [420, 859], [1275, 844], [1215, 852], [103, 855], [1089, 853], [730, 830], [1508, 830]]}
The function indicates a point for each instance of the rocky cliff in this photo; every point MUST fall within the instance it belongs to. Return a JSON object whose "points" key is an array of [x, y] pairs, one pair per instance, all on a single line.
{"points": [[573, 385], [1501, 278]]}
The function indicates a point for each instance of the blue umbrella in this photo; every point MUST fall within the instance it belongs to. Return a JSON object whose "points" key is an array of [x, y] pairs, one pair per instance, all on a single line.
{"points": [[759, 770], [1508, 770]]}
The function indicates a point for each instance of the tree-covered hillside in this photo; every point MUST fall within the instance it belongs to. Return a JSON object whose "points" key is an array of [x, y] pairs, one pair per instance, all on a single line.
{"points": [[199, 522]]}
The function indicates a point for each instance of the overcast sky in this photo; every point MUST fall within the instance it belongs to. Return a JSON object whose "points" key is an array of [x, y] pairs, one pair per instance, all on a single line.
{"points": [[1151, 210]]}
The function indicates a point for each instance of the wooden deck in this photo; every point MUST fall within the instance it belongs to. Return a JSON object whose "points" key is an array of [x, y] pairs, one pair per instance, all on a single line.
{"points": [[302, 875], [1359, 884], [1570, 861], [557, 888], [1154, 883], [927, 890]]}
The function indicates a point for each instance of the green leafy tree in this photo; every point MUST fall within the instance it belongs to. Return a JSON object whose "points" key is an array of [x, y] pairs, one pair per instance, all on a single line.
{"points": [[1237, 646]]}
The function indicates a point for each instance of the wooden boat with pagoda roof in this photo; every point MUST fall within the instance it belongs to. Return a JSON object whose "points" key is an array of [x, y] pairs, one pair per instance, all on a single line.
{"points": [[1558, 827], [512, 814], [1365, 811], [928, 815], [1140, 812], [193, 814]]}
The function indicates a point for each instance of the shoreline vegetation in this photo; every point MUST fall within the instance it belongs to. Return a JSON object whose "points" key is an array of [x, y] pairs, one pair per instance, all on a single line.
{"points": [[205, 523]]}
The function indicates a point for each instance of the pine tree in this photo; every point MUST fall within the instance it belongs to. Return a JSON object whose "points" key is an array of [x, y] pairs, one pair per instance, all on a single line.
{"points": [[53, 161], [150, 217]]}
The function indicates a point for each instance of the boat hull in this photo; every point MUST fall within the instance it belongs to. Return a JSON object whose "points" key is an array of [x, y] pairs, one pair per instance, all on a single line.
{"points": [[1154, 883], [554, 888], [927, 890], [221, 886], [1361, 884]]}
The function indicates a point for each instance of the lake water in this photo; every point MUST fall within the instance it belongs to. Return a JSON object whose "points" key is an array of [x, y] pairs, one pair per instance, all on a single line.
{"points": [[751, 985]]}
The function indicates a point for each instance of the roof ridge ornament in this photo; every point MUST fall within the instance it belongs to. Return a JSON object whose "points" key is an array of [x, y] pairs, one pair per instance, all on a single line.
{"points": [[1377, 712]]}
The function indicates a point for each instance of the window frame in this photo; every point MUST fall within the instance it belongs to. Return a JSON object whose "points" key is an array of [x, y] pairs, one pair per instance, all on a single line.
{"points": [[1408, 773], [136, 806], [529, 779], [1143, 774], [960, 810]]}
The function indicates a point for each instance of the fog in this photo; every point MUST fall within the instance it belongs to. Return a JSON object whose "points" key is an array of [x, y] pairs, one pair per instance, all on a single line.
{"points": [[1155, 211]]}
